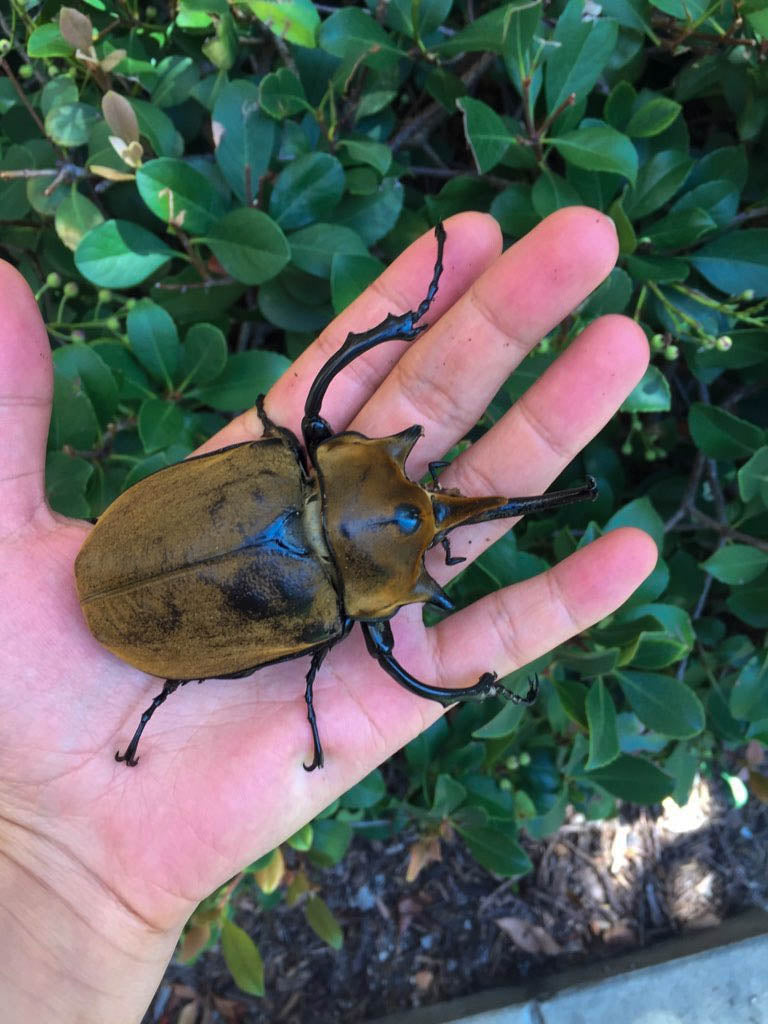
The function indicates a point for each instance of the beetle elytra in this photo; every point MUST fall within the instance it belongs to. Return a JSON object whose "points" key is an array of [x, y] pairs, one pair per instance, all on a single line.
{"points": [[264, 551]]}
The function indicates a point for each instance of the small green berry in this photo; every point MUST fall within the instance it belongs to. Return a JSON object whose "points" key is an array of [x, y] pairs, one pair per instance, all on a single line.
{"points": [[524, 759], [25, 71], [747, 295], [505, 784], [150, 13], [723, 343], [78, 335], [130, 303], [671, 352], [657, 342], [511, 763], [53, 280], [5, 46], [626, 448], [71, 289], [544, 346], [51, 70], [113, 323], [105, 295], [650, 455]]}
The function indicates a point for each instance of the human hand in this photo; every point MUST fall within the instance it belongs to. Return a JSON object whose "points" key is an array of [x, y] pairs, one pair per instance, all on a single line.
{"points": [[108, 862]]}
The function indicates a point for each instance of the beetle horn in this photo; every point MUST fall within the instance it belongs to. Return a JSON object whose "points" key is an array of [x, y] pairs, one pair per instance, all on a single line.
{"points": [[428, 590], [399, 446], [452, 510]]}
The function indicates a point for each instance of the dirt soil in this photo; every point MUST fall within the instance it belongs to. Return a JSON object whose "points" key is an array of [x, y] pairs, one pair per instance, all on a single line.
{"points": [[598, 889]]}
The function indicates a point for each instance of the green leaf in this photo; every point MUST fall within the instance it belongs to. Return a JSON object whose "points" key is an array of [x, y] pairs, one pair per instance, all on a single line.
{"points": [[66, 479], [203, 354], [736, 564], [322, 922], [634, 779], [663, 703], [120, 254], [350, 276], [81, 363], [753, 477], [487, 135], [351, 32], [301, 840], [749, 696], [179, 195], [736, 262], [513, 209], [159, 129], [249, 245], [504, 724], [330, 841], [624, 227], [601, 717], [598, 148], [247, 375], [642, 514], [651, 394], [160, 424], [449, 795], [242, 958], [367, 793], [363, 151], [491, 32], [244, 138], [71, 123], [585, 47], [314, 248], [657, 181], [154, 340], [497, 850], [308, 189], [721, 435], [75, 217], [46, 42], [372, 216], [55, 92], [589, 663], [653, 117], [73, 418], [552, 192], [680, 229], [296, 21], [281, 94], [657, 268]]}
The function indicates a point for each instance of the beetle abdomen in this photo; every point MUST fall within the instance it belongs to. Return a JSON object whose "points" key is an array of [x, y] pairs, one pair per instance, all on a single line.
{"points": [[227, 576]]}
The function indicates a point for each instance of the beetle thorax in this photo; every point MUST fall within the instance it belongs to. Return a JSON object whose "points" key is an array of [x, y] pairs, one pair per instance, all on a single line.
{"points": [[378, 523]]}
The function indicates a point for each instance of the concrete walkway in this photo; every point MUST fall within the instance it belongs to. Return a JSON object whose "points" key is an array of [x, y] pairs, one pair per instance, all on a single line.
{"points": [[715, 977]]}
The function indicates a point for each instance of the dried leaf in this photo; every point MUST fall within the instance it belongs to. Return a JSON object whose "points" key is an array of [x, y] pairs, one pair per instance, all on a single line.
{"points": [[194, 940], [423, 852], [76, 28], [269, 878], [531, 938], [422, 980], [110, 173], [188, 1014], [758, 784], [120, 116], [112, 60]]}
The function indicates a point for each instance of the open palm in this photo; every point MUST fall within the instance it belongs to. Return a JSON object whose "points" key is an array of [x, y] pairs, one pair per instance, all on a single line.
{"points": [[220, 779]]}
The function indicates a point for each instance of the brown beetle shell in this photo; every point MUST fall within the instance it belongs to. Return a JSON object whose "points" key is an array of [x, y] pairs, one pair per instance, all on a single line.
{"points": [[212, 566]]}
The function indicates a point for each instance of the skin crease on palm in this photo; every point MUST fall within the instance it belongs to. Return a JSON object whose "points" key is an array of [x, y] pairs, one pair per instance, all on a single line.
{"points": [[120, 856]]}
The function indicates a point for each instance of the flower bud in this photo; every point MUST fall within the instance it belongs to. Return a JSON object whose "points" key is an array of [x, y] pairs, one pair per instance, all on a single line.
{"points": [[71, 289], [53, 280], [724, 343]]}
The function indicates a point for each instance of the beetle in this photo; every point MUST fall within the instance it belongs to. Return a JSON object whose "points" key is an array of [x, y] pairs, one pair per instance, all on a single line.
{"points": [[263, 551]]}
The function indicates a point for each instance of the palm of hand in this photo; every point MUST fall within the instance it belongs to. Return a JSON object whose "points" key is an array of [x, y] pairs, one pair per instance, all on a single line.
{"points": [[220, 779]]}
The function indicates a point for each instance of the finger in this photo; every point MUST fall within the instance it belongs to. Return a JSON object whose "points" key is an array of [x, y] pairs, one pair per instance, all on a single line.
{"points": [[475, 242], [512, 627], [447, 380], [26, 388], [543, 431]]}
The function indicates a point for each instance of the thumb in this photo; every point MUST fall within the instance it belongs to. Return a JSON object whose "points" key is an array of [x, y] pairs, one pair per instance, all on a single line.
{"points": [[26, 388]]}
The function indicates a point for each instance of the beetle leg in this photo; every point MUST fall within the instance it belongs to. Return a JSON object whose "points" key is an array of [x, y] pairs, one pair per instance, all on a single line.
{"points": [[317, 660], [404, 327], [379, 641], [128, 757], [433, 468], [449, 558]]}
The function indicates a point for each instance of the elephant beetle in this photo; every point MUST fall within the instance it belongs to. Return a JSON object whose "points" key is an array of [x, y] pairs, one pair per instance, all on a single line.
{"points": [[263, 551]]}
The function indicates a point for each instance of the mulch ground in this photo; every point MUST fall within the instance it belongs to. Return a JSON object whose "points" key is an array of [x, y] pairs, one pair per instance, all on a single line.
{"points": [[599, 888]]}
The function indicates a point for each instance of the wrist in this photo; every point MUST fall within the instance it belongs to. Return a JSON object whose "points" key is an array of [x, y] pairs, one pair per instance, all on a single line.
{"points": [[70, 949]]}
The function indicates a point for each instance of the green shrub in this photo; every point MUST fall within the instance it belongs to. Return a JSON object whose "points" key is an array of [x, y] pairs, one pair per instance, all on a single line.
{"points": [[192, 195]]}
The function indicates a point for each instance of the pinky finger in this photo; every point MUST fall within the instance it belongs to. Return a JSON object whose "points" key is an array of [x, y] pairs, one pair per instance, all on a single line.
{"points": [[512, 627]]}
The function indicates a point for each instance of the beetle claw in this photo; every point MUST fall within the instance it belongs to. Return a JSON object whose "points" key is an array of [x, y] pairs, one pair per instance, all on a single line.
{"points": [[126, 759]]}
